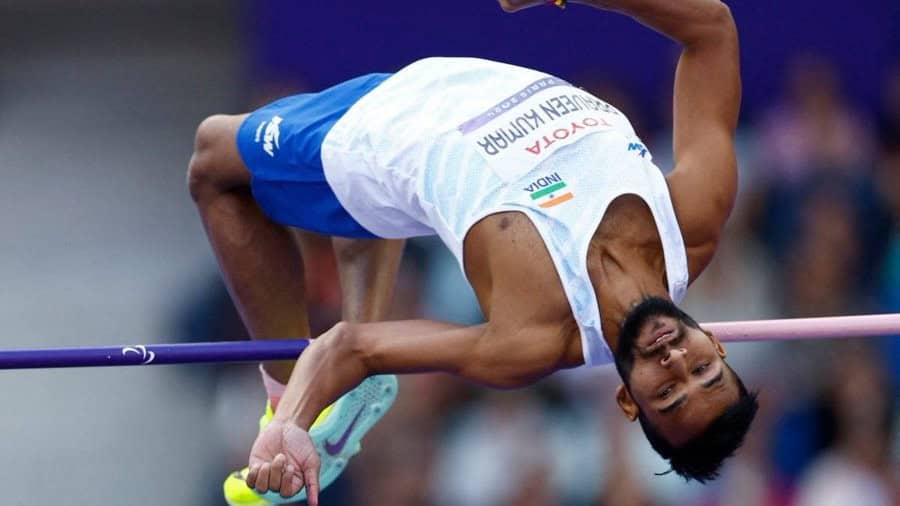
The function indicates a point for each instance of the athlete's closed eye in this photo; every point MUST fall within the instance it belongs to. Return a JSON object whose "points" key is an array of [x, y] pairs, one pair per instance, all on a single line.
{"points": [[665, 392], [675, 405], [715, 380], [700, 369]]}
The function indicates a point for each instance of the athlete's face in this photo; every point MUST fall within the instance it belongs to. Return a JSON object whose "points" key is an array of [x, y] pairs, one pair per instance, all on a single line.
{"points": [[673, 372]]}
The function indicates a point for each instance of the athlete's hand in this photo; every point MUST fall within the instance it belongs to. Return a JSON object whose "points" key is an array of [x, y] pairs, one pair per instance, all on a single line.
{"points": [[283, 459]]}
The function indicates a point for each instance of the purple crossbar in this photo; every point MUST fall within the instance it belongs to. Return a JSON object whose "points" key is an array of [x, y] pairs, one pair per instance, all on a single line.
{"points": [[255, 351], [153, 354]]}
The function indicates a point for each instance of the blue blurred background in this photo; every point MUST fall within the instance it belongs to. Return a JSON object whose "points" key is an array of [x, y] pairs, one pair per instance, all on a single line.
{"points": [[100, 245]]}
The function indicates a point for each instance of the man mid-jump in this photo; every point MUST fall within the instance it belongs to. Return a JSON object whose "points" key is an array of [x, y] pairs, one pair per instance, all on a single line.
{"points": [[576, 245]]}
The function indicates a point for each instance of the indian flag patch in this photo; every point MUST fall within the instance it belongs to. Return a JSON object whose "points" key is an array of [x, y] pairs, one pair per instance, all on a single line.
{"points": [[549, 191]]}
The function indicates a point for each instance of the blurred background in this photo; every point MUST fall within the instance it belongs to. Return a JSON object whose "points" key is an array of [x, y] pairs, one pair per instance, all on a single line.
{"points": [[100, 244]]}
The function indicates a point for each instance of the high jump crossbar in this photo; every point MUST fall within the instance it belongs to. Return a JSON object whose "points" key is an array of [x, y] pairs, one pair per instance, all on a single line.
{"points": [[286, 349]]}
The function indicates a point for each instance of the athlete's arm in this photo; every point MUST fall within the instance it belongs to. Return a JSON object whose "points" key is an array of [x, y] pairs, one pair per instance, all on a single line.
{"points": [[348, 353], [367, 269], [283, 458], [706, 103]]}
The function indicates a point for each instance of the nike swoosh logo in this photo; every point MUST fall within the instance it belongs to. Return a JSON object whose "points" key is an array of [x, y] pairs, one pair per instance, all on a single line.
{"points": [[335, 448]]}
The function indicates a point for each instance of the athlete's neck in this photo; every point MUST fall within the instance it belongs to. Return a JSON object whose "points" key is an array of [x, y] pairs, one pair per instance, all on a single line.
{"points": [[623, 276], [625, 271], [625, 262]]}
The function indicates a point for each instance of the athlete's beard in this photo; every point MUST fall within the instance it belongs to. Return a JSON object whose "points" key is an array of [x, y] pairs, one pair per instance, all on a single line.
{"points": [[633, 323]]}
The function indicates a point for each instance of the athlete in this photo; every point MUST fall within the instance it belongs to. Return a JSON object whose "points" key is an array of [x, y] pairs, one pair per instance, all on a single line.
{"points": [[576, 245]]}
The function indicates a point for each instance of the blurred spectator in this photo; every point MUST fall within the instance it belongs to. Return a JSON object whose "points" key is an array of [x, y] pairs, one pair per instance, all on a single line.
{"points": [[814, 141], [822, 263], [889, 112], [888, 179], [888, 183], [496, 447], [857, 467], [813, 129], [512, 446], [623, 485]]}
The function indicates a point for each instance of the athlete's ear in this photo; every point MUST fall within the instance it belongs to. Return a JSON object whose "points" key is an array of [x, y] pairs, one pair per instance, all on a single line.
{"points": [[626, 403], [720, 349]]}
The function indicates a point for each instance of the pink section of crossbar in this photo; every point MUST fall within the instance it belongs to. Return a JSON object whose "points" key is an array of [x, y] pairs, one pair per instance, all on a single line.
{"points": [[807, 328]]}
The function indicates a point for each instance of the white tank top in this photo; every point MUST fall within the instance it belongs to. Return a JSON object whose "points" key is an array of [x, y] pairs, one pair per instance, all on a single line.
{"points": [[447, 141]]}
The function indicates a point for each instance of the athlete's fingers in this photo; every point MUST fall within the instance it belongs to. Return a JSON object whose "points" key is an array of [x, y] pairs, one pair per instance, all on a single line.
{"points": [[252, 475], [262, 481], [296, 485], [287, 482], [311, 477], [275, 473]]}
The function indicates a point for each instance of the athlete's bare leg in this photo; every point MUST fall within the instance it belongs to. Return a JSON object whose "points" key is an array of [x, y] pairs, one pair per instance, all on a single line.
{"points": [[368, 269], [259, 259]]}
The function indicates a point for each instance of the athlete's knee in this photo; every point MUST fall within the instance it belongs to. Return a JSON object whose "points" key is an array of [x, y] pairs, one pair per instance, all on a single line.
{"points": [[211, 130], [211, 166]]}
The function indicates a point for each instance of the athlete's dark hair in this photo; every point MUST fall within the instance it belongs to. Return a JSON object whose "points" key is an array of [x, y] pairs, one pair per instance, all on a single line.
{"points": [[701, 458]]}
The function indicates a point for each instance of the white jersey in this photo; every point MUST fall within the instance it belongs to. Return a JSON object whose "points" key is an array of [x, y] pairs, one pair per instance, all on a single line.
{"points": [[447, 141]]}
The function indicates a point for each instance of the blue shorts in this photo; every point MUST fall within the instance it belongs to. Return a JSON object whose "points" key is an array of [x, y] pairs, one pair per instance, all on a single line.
{"points": [[281, 145]]}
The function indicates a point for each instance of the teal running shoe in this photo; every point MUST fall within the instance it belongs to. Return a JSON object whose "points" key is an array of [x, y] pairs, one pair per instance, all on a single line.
{"points": [[336, 433]]}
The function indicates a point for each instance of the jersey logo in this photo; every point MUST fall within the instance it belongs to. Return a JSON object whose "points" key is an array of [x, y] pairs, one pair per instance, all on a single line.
{"points": [[270, 137], [549, 191], [526, 128], [637, 146]]}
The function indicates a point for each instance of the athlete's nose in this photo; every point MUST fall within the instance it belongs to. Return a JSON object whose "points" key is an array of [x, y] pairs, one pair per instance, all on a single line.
{"points": [[675, 358]]}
